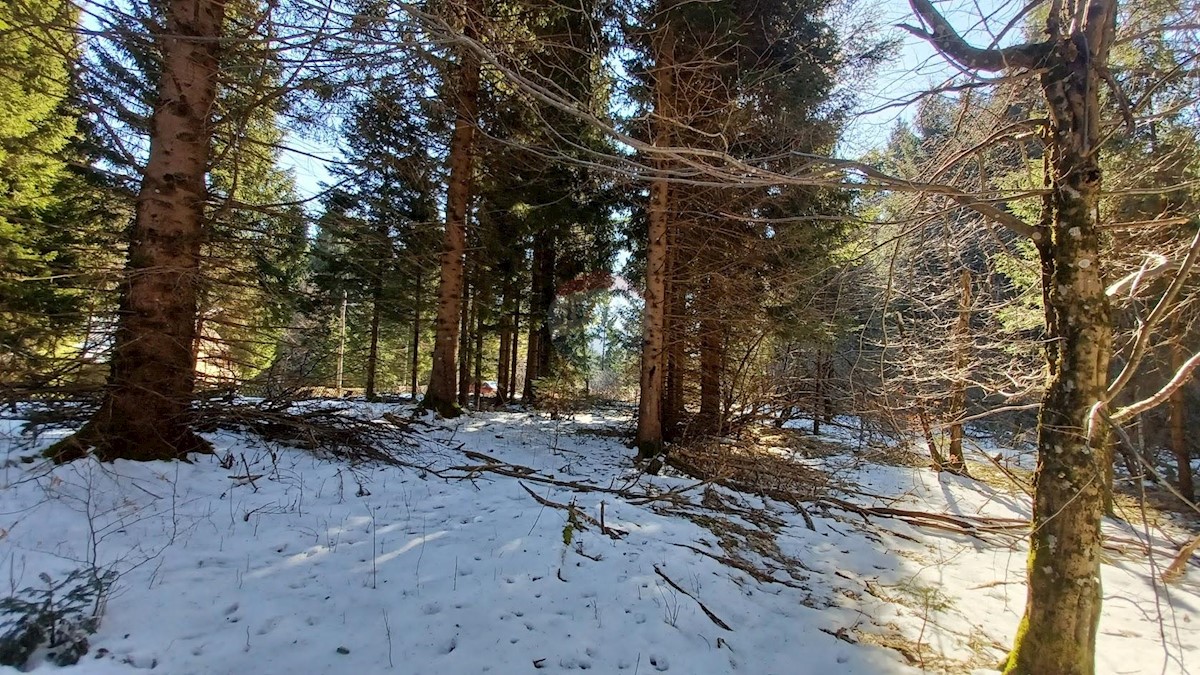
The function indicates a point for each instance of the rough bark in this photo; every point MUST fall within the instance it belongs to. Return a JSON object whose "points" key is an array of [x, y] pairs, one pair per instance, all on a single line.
{"points": [[145, 413], [649, 428], [440, 396], [1062, 615], [1058, 631]]}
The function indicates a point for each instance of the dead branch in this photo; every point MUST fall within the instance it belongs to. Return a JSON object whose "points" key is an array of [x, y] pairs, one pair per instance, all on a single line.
{"points": [[707, 612]]}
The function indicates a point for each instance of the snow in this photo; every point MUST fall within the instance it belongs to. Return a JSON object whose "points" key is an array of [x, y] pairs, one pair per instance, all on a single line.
{"points": [[316, 566]]}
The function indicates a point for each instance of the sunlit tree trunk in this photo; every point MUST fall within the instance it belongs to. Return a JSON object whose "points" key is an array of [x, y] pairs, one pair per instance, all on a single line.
{"points": [[1057, 634], [145, 414], [650, 423], [440, 395], [1062, 614]]}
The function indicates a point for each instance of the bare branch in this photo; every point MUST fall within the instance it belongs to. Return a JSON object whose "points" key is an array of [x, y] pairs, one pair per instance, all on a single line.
{"points": [[942, 36], [1181, 377]]}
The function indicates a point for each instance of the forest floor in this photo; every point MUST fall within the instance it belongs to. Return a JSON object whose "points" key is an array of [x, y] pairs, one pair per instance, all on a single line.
{"points": [[514, 543]]}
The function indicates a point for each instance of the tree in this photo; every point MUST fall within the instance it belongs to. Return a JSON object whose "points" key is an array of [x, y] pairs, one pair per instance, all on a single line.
{"points": [[53, 222], [145, 411], [441, 394], [1058, 631]]}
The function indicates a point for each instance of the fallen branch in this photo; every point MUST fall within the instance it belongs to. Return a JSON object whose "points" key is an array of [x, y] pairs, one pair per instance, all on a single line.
{"points": [[1178, 567], [707, 612], [578, 513]]}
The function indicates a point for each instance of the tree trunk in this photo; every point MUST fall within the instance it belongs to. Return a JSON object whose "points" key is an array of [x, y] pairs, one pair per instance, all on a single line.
{"points": [[1058, 632], [650, 395], [1179, 444], [673, 335], [464, 350], [440, 396], [477, 384], [416, 334], [145, 414], [955, 461], [711, 364], [516, 345], [504, 356], [376, 316], [538, 349]]}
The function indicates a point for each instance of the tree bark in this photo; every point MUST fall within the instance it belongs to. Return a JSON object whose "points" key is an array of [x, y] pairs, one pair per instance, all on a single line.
{"points": [[1062, 614], [650, 423], [145, 413], [440, 396]]}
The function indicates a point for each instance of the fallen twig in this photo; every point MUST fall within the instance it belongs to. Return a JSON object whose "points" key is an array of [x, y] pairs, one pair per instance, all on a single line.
{"points": [[707, 612], [579, 513]]}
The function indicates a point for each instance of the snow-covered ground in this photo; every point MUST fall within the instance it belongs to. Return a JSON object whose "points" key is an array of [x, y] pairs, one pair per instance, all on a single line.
{"points": [[319, 567]]}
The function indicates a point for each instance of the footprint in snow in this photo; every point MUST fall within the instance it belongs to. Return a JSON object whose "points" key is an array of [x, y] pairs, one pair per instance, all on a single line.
{"points": [[431, 608], [659, 662]]}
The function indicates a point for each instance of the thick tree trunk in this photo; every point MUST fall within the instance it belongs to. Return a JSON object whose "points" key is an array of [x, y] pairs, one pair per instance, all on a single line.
{"points": [[1058, 632], [145, 414], [650, 387], [440, 396]]}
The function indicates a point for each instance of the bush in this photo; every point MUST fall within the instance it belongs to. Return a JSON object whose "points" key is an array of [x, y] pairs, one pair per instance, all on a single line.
{"points": [[59, 616]]}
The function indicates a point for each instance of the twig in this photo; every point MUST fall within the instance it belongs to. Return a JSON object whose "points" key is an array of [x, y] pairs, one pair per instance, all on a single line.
{"points": [[715, 619]]}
